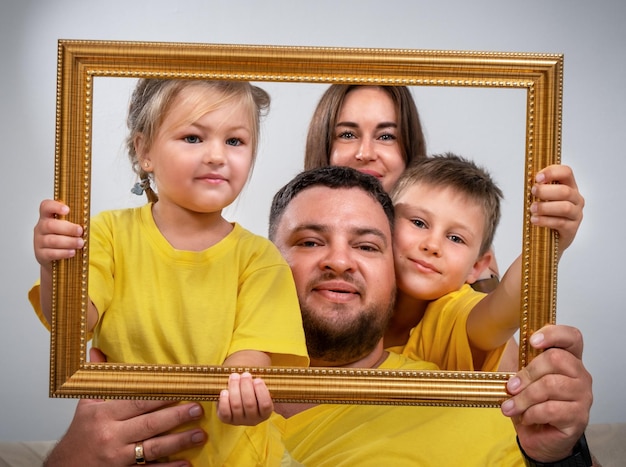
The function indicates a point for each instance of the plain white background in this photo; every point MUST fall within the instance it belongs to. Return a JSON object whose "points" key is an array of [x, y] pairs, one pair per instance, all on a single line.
{"points": [[591, 35]]}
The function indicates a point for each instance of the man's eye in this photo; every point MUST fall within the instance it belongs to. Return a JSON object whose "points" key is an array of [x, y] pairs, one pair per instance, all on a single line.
{"points": [[308, 243], [234, 142], [192, 139], [369, 247]]}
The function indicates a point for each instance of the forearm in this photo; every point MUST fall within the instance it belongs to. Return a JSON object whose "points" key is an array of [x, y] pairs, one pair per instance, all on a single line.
{"points": [[496, 318], [62, 455]]}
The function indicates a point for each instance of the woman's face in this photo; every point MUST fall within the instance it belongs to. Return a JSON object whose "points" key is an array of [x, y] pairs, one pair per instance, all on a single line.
{"points": [[366, 136]]}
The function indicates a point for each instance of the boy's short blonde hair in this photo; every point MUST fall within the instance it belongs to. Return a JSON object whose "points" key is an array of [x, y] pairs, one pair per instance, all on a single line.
{"points": [[462, 175]]}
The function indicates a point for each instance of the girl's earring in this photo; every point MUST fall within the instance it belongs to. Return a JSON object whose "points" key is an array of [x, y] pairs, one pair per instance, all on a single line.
{"points": [[146, 164]]}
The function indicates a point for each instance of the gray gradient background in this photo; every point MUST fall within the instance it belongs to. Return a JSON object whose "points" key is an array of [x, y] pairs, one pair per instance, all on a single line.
{"points": [[590, 34]]}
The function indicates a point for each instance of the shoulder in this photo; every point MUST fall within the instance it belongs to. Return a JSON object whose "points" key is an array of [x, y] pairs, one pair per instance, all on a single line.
{"points": [[120, 221], [465, 296], [254, 245], [121, 215]]}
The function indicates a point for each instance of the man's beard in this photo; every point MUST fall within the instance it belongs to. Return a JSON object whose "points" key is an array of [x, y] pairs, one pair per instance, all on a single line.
{"points": [[340, 342]]}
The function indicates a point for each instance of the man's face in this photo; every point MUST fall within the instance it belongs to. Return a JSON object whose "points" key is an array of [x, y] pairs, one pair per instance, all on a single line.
{"points": [[338, 245]]}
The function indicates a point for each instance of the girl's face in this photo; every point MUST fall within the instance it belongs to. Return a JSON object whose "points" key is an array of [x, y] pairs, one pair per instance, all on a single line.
{"points": [[200, 166], [366, 135]]}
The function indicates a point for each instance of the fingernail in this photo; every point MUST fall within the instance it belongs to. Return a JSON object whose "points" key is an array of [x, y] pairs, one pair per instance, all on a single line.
{"points": [[513, 383], [507, 406], [540, 177], [234, 377], [534, 208], [536, 339], [195, 411], [198, 437]]}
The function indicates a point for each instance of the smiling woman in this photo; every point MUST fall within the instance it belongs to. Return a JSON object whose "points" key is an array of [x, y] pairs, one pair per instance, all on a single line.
{"points": [[85, 68]]}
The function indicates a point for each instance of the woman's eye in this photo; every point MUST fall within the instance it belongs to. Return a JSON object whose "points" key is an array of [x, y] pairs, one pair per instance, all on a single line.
{"points": [[387, 137], [346, 135], [192, 139], [233, 141]]}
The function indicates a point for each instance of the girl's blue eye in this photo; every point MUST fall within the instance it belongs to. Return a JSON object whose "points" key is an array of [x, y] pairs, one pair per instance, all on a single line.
{"points": [[192, 139], [233, 142], [419, 223]]}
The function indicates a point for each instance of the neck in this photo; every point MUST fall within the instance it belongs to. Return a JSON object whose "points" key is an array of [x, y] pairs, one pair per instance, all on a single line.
{"points": [[373, 360], [189, 230], [407, 313]]}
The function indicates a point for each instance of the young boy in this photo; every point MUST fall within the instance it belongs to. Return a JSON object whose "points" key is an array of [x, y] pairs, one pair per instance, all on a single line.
{"points": [[447, 210]]}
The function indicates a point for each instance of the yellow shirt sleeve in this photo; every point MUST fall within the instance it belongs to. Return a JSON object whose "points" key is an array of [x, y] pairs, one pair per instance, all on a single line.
{"points": [[441, 335]]}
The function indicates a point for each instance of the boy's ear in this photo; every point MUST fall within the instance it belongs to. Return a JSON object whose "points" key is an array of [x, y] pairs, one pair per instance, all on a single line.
{"points": [[480, 270]]}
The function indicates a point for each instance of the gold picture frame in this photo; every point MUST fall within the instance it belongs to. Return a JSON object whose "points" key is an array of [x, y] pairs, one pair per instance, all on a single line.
{"points": [[79, 62]]}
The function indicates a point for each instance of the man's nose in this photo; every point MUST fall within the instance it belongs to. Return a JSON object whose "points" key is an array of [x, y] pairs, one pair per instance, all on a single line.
{"points": [[339, 259]]}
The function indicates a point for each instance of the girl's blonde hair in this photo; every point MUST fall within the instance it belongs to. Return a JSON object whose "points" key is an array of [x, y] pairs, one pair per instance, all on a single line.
{"points": [[152, 98], [319, 140]]}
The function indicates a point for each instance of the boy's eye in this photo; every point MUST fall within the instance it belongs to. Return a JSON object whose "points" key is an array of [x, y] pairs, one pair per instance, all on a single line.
{"points": [[456, 239], [192, 139], [233, 141], [419, 223]]}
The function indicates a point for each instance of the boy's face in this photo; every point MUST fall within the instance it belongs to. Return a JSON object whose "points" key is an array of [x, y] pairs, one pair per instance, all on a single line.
{"points": [[437, 241]]}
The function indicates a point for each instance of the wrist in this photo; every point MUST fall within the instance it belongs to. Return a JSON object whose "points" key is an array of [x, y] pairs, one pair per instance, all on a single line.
{"points": [[580, 456]]}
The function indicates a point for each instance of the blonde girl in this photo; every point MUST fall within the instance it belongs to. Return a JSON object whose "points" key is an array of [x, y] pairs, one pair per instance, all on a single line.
{"points": [[173, 281]]}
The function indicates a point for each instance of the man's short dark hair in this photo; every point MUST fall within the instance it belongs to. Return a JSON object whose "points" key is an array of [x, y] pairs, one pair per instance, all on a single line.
{"points": [[334, 177]]}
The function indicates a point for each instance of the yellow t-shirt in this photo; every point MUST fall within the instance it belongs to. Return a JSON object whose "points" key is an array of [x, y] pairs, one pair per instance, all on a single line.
{"points": [[337, 435], [441, 335], [158, 304]]}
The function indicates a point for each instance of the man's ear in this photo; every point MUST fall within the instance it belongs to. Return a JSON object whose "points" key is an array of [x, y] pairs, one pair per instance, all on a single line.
{"points": [[481, 270]]}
